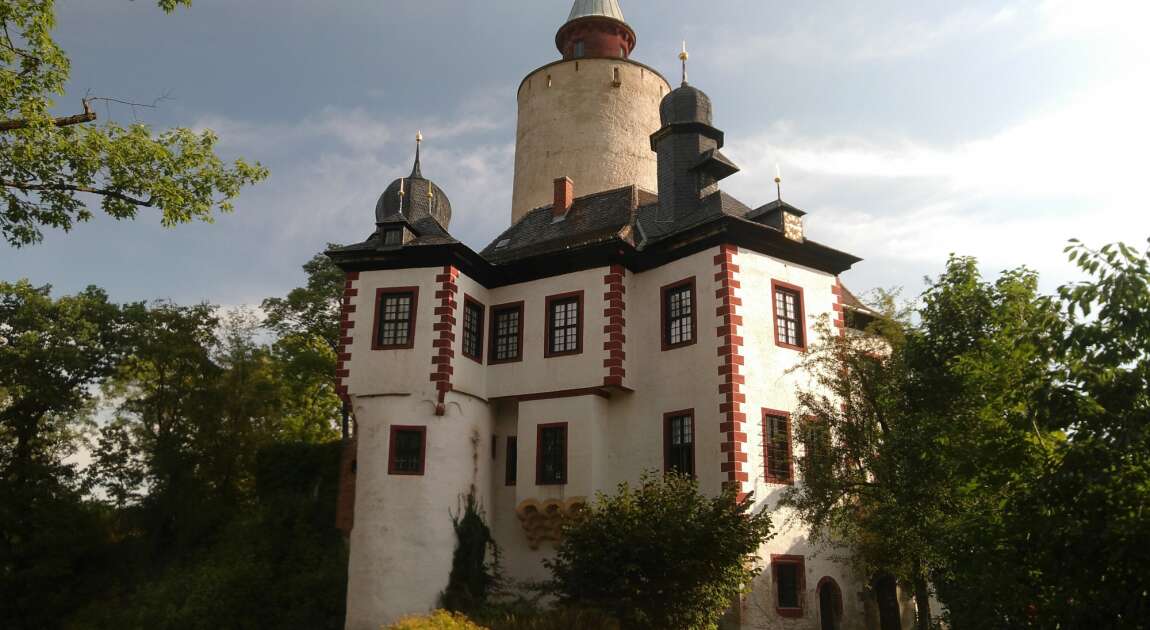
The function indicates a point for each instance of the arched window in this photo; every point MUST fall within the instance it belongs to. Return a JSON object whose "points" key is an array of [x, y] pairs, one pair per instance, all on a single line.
{"points": [[830, 604]]}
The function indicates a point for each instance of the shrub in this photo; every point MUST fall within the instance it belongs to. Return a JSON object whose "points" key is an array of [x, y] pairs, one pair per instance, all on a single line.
{"points": [[438, 620], [660, 555]]}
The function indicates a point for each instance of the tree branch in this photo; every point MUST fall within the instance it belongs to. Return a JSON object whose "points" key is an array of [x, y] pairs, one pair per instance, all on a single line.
{"points": [[86, 189], [65, 121]]}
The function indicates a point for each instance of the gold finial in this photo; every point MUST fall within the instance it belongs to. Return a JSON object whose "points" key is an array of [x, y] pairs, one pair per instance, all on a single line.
{"points": [[418, 137], [683, 57], [779, 181]]}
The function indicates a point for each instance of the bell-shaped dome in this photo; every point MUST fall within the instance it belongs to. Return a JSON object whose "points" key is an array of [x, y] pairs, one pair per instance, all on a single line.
{"points": [[685, 104], [413, 198]]}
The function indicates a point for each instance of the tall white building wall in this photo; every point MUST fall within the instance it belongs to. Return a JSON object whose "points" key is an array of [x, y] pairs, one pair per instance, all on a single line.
{"points": [[403, 541]]}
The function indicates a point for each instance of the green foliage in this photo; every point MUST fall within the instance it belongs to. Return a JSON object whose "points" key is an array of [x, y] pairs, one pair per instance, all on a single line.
{"points": [[306, 323], [561, 618], [919, 431], [437, 620], [660, 554], [52, 352], [46, 164], [279, 563], [473, 577], [999, 446], [1082, 526]]}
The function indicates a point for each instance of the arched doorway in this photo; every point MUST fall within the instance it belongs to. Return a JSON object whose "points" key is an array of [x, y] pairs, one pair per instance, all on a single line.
{"points": [[830, 604]]}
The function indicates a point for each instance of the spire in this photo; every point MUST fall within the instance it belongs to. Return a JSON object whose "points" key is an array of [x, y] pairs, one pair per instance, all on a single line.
{"points": [[415, 172], [601, 8], [683, 57]]}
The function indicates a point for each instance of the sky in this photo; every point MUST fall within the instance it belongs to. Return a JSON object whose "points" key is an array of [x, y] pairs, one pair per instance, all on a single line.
{"points": [[907, 130]]}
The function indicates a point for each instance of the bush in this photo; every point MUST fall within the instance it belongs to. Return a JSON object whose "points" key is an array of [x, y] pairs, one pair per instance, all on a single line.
{"points": [[660, 555], [438, 620]]}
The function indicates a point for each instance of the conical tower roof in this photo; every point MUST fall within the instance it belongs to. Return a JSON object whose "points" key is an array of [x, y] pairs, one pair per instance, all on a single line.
{"points": [[603, 8]]}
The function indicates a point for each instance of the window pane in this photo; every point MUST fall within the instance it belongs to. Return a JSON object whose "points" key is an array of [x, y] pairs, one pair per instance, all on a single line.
{"points": [[788, 585], [553, 454], [564, 326], [408, 449], [680, 313], [788, 317], [506, 334], [472, 330], [395, 319], [512, 466], [778, 445]]}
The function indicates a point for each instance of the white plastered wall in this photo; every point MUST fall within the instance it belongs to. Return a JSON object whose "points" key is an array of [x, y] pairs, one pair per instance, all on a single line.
{"points": [[771, 385]]}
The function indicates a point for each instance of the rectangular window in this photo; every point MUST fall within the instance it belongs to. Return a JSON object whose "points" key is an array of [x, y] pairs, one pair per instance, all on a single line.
{"points": [[777, 446], [551, 455], [393, 236], [787, 574], [506, 333], [511, 466], [580, 48], [678, 314], [406, 451], [564, 324], [788, 307], [395, 318], [472, 329], [679, 442]]}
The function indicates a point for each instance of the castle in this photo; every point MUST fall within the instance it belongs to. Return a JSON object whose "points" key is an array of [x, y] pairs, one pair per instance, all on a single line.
{"points": [[632, 317]]}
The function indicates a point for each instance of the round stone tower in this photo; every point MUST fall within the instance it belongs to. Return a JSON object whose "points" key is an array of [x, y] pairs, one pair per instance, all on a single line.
{"points": [[588, 116]]}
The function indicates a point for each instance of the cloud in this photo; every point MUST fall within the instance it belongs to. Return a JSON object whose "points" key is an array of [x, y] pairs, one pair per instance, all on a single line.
{"points": [[1009, 198], [329, 169], [838, 36]]}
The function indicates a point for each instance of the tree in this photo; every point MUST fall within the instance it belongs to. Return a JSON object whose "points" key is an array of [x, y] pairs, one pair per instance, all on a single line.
{"points": [[660, 555], [306, 323], [917, 433], [50, 165], [1081, 528], [52, 353]]}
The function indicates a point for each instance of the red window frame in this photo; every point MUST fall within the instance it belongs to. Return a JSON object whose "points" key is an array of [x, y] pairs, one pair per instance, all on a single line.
{"points": [[665, 314], [492, 337], [412, 314], [577, 296], [768, 475], [391, 453], [539, 453], [469, 301], [667, 417], [776, 287], [799, 562], [511, 461]]}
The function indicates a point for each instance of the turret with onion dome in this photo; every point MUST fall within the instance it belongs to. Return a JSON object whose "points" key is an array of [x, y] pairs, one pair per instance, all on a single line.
{"points": [[595, 28], [413, 198]]}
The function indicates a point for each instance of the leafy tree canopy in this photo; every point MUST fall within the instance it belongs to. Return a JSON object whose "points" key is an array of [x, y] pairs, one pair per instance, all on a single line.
{"points": [[660, 554], [51, 167]]}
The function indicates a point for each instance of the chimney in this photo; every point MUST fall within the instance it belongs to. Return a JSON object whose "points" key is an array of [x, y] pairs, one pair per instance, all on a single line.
{"points": [[564, 197]]}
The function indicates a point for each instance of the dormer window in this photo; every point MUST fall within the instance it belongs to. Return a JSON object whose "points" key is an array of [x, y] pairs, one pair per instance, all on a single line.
{"points": [[580, 49], [393, 236]]}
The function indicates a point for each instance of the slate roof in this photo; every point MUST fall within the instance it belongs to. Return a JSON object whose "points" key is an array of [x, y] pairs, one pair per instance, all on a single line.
{"points": [[593, 218]]}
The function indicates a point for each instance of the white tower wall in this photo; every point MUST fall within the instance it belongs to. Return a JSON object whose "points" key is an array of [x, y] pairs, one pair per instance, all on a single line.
{"points": [[587, 119]]}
